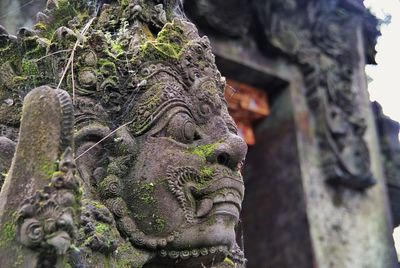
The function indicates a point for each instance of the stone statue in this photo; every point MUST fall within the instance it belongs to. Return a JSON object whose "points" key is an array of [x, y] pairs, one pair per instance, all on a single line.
{"points": [[153, 178]]}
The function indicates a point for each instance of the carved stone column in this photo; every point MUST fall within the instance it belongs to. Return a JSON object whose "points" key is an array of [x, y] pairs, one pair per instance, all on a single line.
{"points": [[27, 208]]}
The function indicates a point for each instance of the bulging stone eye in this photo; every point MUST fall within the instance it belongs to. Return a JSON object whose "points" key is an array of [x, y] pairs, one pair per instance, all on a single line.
{"points": [[189, 130], [205, 109], [182, 128]]}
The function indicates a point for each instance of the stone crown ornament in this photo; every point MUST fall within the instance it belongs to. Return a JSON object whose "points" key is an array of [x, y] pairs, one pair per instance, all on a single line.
{"points": [[156, 154]]}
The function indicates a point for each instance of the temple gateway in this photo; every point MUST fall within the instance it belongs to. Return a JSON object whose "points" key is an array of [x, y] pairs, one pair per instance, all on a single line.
{"points": [[193, 134]]}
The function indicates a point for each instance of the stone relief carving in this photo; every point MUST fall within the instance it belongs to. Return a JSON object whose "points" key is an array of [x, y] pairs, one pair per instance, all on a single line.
{"points": [[47, 221], [319, 36], [156, 152], [321, 43]]}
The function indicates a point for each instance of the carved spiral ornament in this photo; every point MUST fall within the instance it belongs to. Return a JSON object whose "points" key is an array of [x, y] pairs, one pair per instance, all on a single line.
{"points": [[31, 233]]}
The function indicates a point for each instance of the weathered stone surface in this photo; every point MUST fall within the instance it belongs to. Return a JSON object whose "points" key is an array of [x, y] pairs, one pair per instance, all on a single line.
{"points": [[388, 131], [7, 148], [44, 125]]}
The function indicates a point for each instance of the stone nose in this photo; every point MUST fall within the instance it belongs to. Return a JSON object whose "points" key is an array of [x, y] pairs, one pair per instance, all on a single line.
{"points": [[230, 152]]}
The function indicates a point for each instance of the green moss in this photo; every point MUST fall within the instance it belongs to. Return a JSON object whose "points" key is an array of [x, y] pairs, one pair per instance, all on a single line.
{"points": [[117, 48], [127, 256], [168, 45], [7, 233], [124, 3], [102, 228], [34, 47], [29, 68], [205, 151], [159, 224], [48, 169], [207, 172], [229, 261], [20, 257], [139, 217], [146, 192], [19, 79], [107, 67], [97, 204], [40, 26], [63, 13]]}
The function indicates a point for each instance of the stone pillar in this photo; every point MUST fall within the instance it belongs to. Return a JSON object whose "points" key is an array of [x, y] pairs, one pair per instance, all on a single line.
{"points": [[44, 120]]}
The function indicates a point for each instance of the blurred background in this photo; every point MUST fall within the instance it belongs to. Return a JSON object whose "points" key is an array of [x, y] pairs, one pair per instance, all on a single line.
{"points": [[323, 171]]}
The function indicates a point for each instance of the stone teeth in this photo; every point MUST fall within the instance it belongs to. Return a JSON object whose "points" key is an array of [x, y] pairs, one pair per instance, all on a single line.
{"points": [[173, 254], [194, 253], [163, 253], [185, 254], [219, 198], [162, 242], [204, 251], [205, 207]]}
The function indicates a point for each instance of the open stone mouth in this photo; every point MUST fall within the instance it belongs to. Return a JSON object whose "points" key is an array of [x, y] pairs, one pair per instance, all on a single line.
{"points": [[220, 194], [226, 201]]}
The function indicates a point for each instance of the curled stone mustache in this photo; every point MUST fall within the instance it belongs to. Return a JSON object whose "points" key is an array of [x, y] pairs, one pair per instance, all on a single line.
{"points": [[198, 194]]}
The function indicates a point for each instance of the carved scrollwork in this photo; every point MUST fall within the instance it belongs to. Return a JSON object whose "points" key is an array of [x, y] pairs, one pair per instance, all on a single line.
{"points": [[48, 221]]}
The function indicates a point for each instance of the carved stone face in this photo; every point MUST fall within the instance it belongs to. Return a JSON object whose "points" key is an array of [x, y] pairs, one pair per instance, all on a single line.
{"points": [[173, 183], [185, 185]]}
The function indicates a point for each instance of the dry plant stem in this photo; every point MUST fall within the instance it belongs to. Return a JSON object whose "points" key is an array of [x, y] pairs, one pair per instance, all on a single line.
{"points": [[234, 90], [103, 139], [52, 54], [71, 59]]}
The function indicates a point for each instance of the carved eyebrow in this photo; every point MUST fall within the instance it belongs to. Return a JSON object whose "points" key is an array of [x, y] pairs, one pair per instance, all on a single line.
{"points": [[231, 126]]}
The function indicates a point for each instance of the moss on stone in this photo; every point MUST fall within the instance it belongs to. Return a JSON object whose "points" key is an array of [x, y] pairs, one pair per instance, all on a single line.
{"points": [[48, 168], [168, 45], [207, 171], [7, 233], [20, 258], [102, 228], [107, 67], [29, 68], [64, 12], [97, 204], [159, 224], [127, 256], [229, 261], [146, 193], [205, 151]]}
